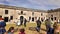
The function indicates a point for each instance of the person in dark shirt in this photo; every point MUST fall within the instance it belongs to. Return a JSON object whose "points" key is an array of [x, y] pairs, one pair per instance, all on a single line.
{"points": [[38, 25], [25, 22]]}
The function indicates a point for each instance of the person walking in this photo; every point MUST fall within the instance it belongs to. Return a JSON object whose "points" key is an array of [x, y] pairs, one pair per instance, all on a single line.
{"points": [[38, 25], [25, 22], [48, 26], [21, 22]]}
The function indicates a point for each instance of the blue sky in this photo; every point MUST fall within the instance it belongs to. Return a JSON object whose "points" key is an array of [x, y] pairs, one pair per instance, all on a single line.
{"points": [[35, 4]]}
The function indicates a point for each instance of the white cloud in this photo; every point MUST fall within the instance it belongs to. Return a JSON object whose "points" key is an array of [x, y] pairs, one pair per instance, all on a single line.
{"points": [[42, 4], [46, 2]]}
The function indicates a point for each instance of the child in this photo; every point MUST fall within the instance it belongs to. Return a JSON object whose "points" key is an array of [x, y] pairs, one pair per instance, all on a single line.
{"points": [[11, 30], [22, 31]]}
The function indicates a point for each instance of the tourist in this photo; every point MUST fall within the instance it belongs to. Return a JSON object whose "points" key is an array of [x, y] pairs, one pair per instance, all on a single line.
{"points": [[25, 22], [10, 31], [49, 29], [38, 25], [2, 26], [22, 31], [48, 24], [57, 29]]}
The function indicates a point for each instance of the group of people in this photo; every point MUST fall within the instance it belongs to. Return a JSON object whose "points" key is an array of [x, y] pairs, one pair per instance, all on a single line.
{"points": [[11, 30], [49, 29]]}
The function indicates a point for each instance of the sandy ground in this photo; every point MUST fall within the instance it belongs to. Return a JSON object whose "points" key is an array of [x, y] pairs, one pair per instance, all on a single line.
{"points": [[27, 31]]}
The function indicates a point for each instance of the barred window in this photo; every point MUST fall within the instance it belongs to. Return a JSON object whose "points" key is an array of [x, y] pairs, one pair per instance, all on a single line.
{"points": [[11, 17], [6, 11]]}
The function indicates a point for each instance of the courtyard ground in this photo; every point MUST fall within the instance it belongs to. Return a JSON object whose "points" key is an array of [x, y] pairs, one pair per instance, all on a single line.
{"points": [[42, 31]]}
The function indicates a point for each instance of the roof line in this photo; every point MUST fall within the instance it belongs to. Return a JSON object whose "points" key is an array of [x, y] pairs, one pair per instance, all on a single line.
{"points": [[20, 8]]}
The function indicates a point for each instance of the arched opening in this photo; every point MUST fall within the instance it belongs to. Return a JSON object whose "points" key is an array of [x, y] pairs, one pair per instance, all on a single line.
{"points": [[32, 18], [21, 18]]}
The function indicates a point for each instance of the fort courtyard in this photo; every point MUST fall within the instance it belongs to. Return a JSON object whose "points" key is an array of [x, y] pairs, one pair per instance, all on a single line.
{"points": [[27, 30], [11, 14]]}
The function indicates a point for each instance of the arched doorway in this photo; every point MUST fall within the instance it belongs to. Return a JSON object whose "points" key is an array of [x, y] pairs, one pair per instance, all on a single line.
{"points": [[21, 19]]}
